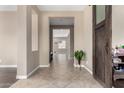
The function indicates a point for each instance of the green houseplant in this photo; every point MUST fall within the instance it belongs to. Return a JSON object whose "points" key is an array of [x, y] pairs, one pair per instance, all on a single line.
{"points": [[122, 46], [79, 55]]}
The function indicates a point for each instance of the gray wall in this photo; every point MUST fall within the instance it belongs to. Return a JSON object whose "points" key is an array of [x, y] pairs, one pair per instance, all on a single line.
{"points": [[72, 42]]}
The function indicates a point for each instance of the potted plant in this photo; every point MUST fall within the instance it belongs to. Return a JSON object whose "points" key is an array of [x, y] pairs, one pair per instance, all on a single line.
{"points": [[122, 46], [79, 55]]}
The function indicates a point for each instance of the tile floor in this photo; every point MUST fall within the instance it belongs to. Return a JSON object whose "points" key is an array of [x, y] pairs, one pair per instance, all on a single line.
{"points": [[61, 74], [7, 77]]}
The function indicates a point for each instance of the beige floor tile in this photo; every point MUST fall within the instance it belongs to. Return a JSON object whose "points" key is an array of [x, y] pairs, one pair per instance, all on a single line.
{"points": [[61, 74]]}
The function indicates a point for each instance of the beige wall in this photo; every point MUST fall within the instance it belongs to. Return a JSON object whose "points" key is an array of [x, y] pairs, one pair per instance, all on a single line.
{"points": [[88, 35], [19, 37], [8, 38], [20, 41], [21, 34], [27, 60], [117, 25], [16, 40], [44, 32]]}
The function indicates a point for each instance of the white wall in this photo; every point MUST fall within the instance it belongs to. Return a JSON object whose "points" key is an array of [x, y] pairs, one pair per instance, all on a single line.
{"points": [[117, 25], [8, 38], [44, 32], [88, 36]]}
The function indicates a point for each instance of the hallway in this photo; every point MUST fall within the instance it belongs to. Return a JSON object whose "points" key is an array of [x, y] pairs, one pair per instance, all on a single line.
{"points": [[60, 74]]}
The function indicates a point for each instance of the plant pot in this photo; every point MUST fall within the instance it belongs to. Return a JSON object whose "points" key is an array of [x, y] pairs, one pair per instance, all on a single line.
{"points": [[79, 63]]}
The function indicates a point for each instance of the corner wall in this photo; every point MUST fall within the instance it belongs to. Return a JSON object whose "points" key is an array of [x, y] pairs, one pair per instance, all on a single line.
{"points": [[27, 60]]}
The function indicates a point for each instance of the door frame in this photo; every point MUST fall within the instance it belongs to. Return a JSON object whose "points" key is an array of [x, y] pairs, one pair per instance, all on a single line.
{"points": [[71, 27], [108, 27]]}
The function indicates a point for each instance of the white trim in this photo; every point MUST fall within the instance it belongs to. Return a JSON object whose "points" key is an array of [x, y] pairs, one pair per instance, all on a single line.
{"points": [[45, 65], [61, 8], [33, 71], [75, 65], [26, 76], [21, 77], [8, 66], [88, 70]]}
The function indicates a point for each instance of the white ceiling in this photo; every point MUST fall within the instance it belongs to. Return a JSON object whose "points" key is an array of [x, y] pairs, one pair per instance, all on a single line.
{"points": [[8, 7], [61, 7], [61, 32], [62, 21], [47, 7]]}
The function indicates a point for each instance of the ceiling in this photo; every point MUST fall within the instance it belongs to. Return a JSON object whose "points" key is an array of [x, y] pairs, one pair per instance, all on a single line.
{"points": [[47, 7], [8, 7], [62, 21], [61, 7], [61, 32]]}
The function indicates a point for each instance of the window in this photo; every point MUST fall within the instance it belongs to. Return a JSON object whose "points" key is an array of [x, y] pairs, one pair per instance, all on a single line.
{"points": [[34, 31], [62, 44]]}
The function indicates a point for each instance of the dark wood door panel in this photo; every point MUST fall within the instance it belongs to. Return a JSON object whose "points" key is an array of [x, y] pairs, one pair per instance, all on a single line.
{"points": [[100, 53], [102, 48]]}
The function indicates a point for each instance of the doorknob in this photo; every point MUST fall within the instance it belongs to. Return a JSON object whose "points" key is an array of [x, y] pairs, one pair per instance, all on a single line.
{"points": [[107, 47]]}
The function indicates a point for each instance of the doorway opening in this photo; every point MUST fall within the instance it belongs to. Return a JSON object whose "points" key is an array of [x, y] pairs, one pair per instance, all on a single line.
{"points": [[61, 40], [118, 46]]}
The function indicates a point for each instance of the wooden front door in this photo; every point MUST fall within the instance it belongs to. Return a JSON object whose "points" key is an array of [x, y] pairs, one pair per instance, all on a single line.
{"points": [[102, 39]]}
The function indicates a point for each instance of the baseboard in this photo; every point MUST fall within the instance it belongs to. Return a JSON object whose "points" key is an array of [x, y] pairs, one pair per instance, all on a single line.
{"points": [[33, 71], [21, 77], [26, 76], [88, 70], [8, 66], [75, 65], [45, 65]]}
